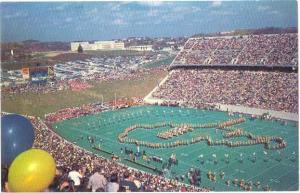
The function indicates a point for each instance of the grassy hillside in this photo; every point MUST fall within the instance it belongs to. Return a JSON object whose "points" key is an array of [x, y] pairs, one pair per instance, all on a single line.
{"points": [[40, 104], [165, 61]]}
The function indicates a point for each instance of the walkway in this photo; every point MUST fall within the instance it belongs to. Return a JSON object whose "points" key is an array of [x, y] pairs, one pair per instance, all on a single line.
{"points": [[256, 111], [233, 108]]}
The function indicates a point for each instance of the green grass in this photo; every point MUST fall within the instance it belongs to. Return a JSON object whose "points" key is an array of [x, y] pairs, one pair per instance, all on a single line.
{"points": [[40, 104], [166, 61]]}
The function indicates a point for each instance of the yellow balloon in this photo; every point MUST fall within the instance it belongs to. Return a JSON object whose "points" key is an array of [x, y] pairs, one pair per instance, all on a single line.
{"points": [[31, 171]]}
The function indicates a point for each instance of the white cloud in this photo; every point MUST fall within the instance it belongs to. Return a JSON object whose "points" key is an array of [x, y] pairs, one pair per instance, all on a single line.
{"points": [[186, 10], [263, 8], [115, 7], [153, 3], [119, 21], [172, 17], [157, 21], [78, 28], [56, 23], [153, 13], [267, 9], [92, 11], [68, 19], [275, 12], [195, 9], [216, 3], [59, 8], [15, 15], [180, 9], [140, 23], [223, 13]]}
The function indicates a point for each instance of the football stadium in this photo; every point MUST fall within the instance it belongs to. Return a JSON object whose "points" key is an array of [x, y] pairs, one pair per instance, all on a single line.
{"points": [[223, 118], [213, 149]]}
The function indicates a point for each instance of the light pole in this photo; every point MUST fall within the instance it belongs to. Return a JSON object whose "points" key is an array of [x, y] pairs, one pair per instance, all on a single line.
{"points": [[115, 100]]}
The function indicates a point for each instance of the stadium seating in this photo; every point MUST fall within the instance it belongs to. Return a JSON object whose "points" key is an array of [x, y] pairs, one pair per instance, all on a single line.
{"points": [[257, 86], [274, 50]]}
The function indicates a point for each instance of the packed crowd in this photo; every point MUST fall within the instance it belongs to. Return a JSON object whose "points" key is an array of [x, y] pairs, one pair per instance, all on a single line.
{"points": [[275, 49], [48, 87], [78, 85], [272, 90], [79, 170], [73, 112], [90, 108], [35, 88]]}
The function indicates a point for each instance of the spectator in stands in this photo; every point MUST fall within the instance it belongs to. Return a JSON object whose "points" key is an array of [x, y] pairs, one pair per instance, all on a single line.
{"points": [[59, 175], [4, 179], [183, 189], [113, 185], [274, 90], [128, 183], [97, 180], [76, 175], [66, 185], [263, 49]]}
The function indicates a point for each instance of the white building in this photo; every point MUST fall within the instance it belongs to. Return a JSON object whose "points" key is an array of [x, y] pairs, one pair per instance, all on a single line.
{"points": [[167, 49], [98, 45]]}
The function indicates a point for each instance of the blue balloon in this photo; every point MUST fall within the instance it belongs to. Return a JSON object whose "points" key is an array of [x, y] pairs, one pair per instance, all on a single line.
{"points": [[17, 135]]}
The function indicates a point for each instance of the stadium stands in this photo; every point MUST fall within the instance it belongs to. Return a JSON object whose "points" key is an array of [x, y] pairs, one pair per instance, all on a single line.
{"points": [[259, 89], [274, 50], [258, 71]]}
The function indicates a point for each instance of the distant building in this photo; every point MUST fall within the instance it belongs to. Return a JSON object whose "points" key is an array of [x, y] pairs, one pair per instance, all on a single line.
{"points": [[167, 49], [180, 48], [98, 45], [171, 43], [141, 48], [74, 45], [226, 32]]}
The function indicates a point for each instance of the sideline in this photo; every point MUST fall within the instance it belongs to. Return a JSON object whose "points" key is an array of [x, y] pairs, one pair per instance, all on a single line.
{"points": [[149, 99], [233, 108], [257, 111]]}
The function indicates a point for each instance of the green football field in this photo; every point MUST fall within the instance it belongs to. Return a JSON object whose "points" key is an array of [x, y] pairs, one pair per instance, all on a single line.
{"points": [[276, 168]]}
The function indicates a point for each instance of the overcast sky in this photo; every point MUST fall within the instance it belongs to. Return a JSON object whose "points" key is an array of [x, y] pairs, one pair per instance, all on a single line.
{"points": [[60, 21]]}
